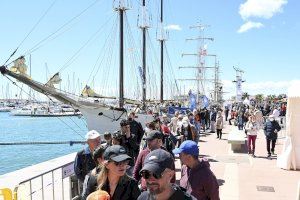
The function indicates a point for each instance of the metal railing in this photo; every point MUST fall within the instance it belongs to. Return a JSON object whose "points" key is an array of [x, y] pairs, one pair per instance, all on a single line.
{"points": [[56, 184]]}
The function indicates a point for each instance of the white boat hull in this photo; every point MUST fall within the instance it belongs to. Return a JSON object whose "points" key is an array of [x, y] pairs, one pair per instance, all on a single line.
{"points": [[103, 119]]}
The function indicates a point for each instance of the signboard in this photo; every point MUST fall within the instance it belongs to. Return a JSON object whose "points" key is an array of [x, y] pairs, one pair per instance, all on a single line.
{"points": [[68, 170]]}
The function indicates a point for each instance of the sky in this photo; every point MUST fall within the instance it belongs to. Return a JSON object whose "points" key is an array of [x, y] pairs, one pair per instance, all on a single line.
{"points": [[260, 37]]}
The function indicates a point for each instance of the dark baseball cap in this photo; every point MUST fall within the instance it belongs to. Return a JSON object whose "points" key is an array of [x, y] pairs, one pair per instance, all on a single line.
{"points": [[116, 153], [157, 161], [154, 134]]}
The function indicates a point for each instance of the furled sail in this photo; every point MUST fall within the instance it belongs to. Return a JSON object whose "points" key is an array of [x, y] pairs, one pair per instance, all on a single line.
{"points": [[20, 67], [55, 79], [89, 92]]}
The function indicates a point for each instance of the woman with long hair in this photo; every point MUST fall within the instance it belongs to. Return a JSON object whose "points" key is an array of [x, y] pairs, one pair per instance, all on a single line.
{"points": [[113, 178]]}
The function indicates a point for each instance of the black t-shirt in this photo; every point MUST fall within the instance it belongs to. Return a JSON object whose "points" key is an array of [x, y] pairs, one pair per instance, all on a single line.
{"points": [[178, 194]]}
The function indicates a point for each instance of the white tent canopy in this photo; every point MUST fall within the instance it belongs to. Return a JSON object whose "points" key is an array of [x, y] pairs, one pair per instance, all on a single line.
{"points": [[290, 157]]}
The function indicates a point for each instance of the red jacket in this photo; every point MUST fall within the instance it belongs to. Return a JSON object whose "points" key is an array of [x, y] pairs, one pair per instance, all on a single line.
{"points": [[200, 182]]}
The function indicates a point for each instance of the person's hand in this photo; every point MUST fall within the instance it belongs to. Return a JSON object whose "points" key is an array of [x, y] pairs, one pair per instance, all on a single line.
{"points": [[275, 131], [128, 134]]}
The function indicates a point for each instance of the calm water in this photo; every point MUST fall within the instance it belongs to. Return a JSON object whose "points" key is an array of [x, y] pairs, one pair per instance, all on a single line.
{"points": [[28, 129]]}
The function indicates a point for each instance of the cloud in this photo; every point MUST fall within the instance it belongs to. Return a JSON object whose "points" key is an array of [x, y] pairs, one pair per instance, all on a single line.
{"points": [[175, 27], [249, 25], [265, 88], [261, 8]]}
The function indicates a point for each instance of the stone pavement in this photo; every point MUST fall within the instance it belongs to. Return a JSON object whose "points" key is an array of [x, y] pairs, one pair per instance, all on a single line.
{"points": [[242, 177]]}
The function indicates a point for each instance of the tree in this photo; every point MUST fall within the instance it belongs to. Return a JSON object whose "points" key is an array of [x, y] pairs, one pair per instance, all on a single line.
{"points": [[259, 98], [245, 95]]}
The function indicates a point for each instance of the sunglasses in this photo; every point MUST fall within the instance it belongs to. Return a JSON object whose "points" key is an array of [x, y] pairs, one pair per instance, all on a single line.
{"points": [[147, 175], [124, 162]]}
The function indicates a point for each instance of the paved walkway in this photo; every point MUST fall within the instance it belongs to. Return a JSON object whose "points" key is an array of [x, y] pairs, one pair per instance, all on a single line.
{"points": [[242, 177]]}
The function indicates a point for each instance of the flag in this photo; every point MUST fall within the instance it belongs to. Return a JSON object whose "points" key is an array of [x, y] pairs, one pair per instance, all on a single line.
{"points": [[192, 100], [141, 74], [205, 101]]}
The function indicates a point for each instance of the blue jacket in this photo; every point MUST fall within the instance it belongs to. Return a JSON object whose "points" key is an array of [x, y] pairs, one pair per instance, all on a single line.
{"points": [[84, 163], [270, 128]]}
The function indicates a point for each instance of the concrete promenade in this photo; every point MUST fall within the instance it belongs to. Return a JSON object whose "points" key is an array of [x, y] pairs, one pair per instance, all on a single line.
{"points": [[242, 177]]}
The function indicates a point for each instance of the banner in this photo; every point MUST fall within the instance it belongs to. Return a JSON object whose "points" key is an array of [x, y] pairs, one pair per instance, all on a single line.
{"points": [[193, 102], [141, 74], [204, 101], [239, 91], [173, 109]]}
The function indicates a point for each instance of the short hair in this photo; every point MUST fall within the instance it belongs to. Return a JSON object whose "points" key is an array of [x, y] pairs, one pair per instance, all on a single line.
{"points": [[132, 113], [124, 122], [98, 153], [152, 125], [107, 135]]}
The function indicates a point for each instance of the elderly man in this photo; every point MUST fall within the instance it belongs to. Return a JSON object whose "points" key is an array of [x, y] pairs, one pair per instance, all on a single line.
{"points": [[158, 173], [196, 176], [271, 129], [84, 161]]}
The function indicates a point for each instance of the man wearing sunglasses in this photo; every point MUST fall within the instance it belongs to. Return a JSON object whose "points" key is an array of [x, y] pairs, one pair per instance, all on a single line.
{"points": [[158, 172], [196, 176]]}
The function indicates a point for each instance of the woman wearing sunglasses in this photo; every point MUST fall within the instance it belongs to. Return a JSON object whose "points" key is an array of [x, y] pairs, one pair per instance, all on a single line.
{"points": [[113, 178]]}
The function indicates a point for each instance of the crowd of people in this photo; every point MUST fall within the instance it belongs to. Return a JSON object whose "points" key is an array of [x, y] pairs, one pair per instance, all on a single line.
{"points": [[139, 163]]}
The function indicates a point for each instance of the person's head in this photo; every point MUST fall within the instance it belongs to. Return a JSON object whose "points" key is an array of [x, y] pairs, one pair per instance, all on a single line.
{"points": [[93, 139], [164, 118], [188, 152], [117, 138], [125, 127], [107, 137], [176, 113], [195, 111], [154, 140], [131, 116], [98, 155], [180, 117], [98, 195], [190, 116], [271, 118], [158, 170], [115, 164], [152, 125]]}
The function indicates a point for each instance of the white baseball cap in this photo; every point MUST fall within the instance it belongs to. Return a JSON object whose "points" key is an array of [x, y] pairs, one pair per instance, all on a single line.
{"points": [[92, 135]]}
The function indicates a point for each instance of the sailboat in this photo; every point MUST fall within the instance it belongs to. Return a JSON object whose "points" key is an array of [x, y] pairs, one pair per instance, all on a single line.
{"points": [[102, 113]]}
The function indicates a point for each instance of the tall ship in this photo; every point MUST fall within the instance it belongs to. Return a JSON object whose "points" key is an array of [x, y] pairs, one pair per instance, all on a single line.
{"points": [[104, 112]]}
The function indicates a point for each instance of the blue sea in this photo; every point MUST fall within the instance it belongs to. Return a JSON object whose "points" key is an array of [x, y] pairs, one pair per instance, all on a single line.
{"points": [[37, 129]]}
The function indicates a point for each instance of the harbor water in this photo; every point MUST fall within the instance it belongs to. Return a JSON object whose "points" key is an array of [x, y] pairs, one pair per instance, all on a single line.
{"points": [[33, 130]]}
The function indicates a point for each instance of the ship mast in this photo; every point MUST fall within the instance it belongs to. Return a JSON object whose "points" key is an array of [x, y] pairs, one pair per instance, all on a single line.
{"points": [[162, 40], [121, 8], [200, 75], [144, 25]]}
